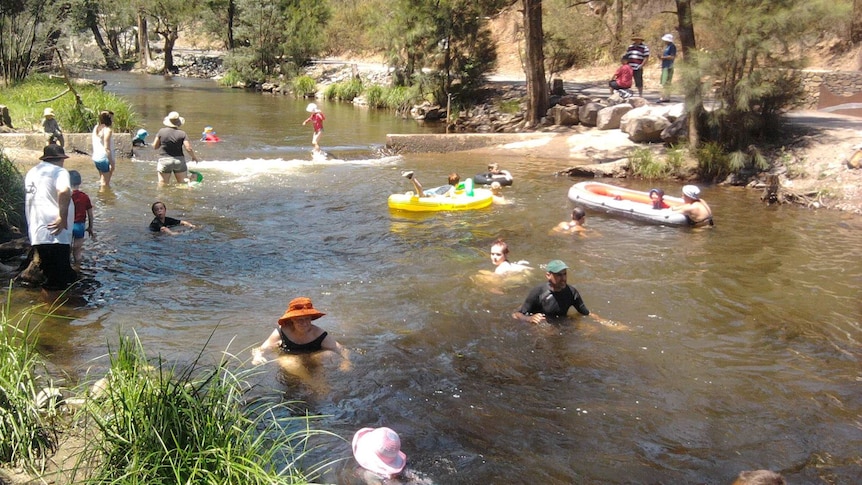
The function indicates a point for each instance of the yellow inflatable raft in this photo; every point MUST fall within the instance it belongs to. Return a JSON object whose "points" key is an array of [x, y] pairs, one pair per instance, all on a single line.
{"points": [[481, 198]]}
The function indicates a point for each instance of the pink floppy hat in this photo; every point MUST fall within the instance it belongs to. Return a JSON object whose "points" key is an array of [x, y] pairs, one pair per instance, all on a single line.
{"points": [[379, 450]]}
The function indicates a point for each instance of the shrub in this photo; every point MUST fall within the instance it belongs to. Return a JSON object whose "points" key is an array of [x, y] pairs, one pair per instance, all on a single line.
{"points": [[304, 86], [374, 95], [644, 164], [25, 435], [231, 78], [713, 163], [348, 90], [170, 424], [11, 195]]}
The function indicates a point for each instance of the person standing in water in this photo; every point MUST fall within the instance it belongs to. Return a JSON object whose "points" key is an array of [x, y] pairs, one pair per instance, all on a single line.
{"points": [[316, 118], [103, 148]]}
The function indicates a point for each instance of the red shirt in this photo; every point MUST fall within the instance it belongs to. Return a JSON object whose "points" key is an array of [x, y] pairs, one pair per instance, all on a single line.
{"points": [[624, 76], [316, 120], [82, 205]]}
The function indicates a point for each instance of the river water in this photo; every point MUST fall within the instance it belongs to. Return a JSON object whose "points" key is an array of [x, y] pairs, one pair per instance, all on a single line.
{"points": [[735, 348]]}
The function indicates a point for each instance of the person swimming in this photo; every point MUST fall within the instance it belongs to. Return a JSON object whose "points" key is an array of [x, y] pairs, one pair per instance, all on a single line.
{"points": [[209, 134]]}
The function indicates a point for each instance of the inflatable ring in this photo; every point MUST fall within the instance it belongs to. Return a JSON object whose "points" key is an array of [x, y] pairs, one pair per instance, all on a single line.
{"points": [[487, 178]]}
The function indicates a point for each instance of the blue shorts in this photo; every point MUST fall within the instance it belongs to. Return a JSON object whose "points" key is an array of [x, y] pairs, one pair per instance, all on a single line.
{"points": [[78, 230], [103, 166]]}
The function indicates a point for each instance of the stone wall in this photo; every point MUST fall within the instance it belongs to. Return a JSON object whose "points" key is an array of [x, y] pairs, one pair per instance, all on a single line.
{"points": [[839, 83], [75, 142]]}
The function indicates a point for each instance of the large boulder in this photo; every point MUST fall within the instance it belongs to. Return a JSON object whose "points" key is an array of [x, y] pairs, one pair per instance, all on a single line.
{"points": [[644, 125], [677, 131], [588, 113], [563, 115], [609, 118]]}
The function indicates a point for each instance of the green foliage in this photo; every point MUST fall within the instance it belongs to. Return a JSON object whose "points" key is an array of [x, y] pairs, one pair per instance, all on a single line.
{"points": [[304, 86], [510, 106], [643, 163], [27, 28], [244, 66], [713, 163], [374, 96], [26, 436], [749, 52], [344, 90], [192, 424], [22, 100], [11, 195], [304, 20], [231, 78]]}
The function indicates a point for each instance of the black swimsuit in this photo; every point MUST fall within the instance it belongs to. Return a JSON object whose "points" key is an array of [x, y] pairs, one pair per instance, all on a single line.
{"points": [[692, 222], [292, 347]]}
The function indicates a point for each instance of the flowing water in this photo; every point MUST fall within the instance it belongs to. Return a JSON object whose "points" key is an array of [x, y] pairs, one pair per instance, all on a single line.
{"points": [[735, 348]]}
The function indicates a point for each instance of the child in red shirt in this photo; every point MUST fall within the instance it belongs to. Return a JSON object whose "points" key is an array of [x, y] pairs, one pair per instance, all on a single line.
{"points": [[83, 213], [622, 79], [316, 120]]}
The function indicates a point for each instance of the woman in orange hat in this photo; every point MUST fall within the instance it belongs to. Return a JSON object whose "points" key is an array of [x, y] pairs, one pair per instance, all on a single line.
{"points": [[297, 335]]}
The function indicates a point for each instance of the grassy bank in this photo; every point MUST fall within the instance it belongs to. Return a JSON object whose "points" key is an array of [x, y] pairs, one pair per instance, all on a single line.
{"points": [[27, 100]]}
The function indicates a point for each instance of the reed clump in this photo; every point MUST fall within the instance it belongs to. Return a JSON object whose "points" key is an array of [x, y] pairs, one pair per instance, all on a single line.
{"points": [[158, 423], [27, 433]]}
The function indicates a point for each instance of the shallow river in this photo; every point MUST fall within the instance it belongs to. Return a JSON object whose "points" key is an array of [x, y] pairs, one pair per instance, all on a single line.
{"points": [[735, 348]]}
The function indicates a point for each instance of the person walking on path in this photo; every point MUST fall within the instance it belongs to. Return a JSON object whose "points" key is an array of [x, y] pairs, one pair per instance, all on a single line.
{"points": [[50, 214], [103, 148], [316, 118], [638, 54], [170, 142], [667, 58]]}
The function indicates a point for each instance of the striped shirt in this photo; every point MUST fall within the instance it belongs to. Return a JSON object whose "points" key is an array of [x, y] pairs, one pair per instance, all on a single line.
{"points": [[637, 55]]}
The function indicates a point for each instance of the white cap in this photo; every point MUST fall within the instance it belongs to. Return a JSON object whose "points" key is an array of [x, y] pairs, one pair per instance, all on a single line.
{"points": [[667, 37]]}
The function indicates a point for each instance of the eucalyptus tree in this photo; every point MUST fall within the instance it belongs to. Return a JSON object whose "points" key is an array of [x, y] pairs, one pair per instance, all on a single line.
{"points": [[169, 18], [537, 86], [29, 29]]}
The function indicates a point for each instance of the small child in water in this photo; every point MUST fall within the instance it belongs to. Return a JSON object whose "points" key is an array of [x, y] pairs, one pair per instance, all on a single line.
{"points": [[83, 214], [140, 139], [209, 134]]}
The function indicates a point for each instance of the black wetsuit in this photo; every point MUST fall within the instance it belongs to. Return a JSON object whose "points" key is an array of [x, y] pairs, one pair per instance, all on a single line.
{"points": [[292, 347], [553, 303]]}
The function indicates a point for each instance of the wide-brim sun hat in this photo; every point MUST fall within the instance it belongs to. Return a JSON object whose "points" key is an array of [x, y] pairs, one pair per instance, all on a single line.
{"points": [[300, 307], [173, 120], [48, 112], [379, 450], [312, 108], [53, 152], [691, 191], [667, 37]]}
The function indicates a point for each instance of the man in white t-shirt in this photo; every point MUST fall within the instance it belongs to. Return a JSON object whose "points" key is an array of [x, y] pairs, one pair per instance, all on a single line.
{"points": [[50, 214]]}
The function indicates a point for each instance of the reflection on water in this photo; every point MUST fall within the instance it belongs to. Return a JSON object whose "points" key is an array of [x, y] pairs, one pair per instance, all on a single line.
{"points": [[740, 350]]}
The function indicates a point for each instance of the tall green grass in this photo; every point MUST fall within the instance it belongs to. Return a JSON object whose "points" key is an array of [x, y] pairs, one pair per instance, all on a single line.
{"points": [[345, 90], [644, 163], [159, 423], [11, 195], [304, 86], [26, 110], [26, 435]]}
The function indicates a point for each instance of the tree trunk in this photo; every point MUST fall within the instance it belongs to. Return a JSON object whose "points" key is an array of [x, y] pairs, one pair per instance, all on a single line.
{"points": [[537, 87], [693, 95], [231, 15], [171, 37], [143, 40]]}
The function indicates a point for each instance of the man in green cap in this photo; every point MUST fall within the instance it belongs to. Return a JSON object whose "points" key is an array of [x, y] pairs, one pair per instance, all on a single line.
{"points": [[551, 299]]}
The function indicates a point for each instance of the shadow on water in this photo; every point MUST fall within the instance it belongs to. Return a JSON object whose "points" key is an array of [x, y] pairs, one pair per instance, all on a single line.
{"points": [[739, 347]]}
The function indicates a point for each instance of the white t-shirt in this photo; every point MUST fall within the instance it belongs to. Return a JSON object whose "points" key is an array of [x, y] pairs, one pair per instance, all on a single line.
{"points": [[42, 185]]}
